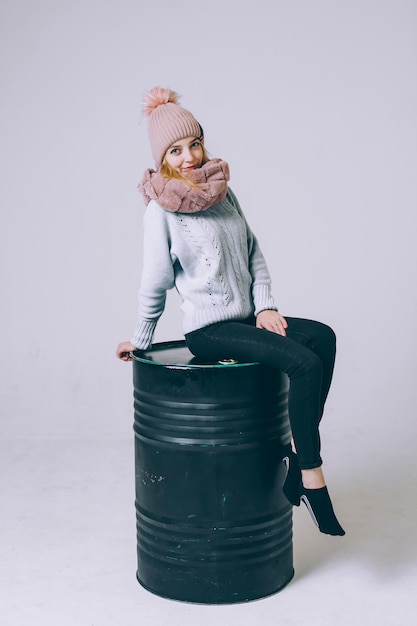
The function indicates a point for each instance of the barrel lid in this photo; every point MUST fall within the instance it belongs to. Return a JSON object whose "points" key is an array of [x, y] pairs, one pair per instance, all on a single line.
{"points": [[175, 354]]}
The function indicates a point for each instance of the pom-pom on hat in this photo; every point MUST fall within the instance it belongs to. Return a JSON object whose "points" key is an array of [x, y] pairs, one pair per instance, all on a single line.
{"points": [[168, 121]]}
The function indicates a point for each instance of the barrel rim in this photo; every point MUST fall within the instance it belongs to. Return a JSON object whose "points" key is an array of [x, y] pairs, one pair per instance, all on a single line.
{"points": [[138, 355]]}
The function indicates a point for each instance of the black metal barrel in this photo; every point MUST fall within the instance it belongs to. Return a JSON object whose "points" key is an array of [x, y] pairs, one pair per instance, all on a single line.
{"points": [[213, 525]]}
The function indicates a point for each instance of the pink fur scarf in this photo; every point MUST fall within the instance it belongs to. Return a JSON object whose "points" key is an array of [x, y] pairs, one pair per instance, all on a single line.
{"points": [[174, 195]]}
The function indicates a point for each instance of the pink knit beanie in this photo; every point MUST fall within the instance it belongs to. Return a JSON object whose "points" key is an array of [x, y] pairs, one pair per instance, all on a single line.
{"points": [[168, 121]]}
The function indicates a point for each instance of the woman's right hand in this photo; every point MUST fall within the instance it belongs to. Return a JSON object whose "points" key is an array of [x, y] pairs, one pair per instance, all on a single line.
{"points": [[124, 349]]}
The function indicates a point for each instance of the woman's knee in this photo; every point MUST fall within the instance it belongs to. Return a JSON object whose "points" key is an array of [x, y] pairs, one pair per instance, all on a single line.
{"points": [[328, 334]]}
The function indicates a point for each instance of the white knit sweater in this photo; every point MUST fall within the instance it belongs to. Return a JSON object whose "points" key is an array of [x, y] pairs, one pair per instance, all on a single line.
{"points": [[213, 260]]}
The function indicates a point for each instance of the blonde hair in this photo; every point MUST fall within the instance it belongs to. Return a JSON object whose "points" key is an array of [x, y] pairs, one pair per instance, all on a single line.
{"points": [[168, 172]]}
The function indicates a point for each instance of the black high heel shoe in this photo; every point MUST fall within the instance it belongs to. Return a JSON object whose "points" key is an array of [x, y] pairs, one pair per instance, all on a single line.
{"points": [[291, 486], [321, 510]]}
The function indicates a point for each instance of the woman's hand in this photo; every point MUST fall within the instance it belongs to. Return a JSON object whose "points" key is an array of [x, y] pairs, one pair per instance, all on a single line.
{"points": [[124, 349], [272, 321]]}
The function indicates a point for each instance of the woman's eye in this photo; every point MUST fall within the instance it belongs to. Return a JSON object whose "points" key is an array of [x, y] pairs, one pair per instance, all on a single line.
{"points": [[196, 144], [174, 151]]}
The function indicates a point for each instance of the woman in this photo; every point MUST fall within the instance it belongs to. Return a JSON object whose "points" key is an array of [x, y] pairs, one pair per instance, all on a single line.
{"points": [[198, 241]]}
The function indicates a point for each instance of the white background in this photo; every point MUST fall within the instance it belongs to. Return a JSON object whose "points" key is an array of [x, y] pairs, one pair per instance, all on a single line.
{"points": [[312, 102]]}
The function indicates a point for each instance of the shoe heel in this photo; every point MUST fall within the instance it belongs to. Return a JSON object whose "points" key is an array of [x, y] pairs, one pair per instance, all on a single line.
{"points": [[292, 482]]}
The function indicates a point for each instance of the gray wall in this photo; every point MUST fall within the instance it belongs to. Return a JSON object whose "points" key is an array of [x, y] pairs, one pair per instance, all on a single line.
{"points": [[313, 104]]}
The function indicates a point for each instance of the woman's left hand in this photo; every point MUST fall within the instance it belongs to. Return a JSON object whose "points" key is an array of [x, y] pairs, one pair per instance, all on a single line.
{"points": [[272, 321]]}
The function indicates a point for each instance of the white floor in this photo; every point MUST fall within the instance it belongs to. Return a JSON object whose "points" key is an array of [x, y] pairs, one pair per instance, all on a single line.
{"points": [[68, 546]]}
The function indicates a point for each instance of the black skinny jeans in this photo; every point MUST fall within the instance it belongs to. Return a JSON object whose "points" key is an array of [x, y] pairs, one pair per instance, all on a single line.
{"points": [[306, 355]]}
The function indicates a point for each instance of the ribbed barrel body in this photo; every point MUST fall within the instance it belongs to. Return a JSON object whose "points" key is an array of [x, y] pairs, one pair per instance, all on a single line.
{"points": [[212, 523]]}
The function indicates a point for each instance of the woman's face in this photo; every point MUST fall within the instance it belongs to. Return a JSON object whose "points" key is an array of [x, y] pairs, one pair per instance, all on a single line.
{"points": [[185, 155]]}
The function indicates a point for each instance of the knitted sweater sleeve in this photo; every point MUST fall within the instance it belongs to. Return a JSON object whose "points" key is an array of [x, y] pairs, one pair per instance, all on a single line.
{"points": [[157, 275], [261, 280]]}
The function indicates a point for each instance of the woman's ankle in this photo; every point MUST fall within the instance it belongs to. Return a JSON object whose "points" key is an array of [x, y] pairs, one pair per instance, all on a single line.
{"points": [[313, 478]]}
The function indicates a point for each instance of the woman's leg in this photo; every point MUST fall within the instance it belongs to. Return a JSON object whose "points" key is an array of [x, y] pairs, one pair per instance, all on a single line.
{"points": [[307, 355], [321, 339], [302, 354]]}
